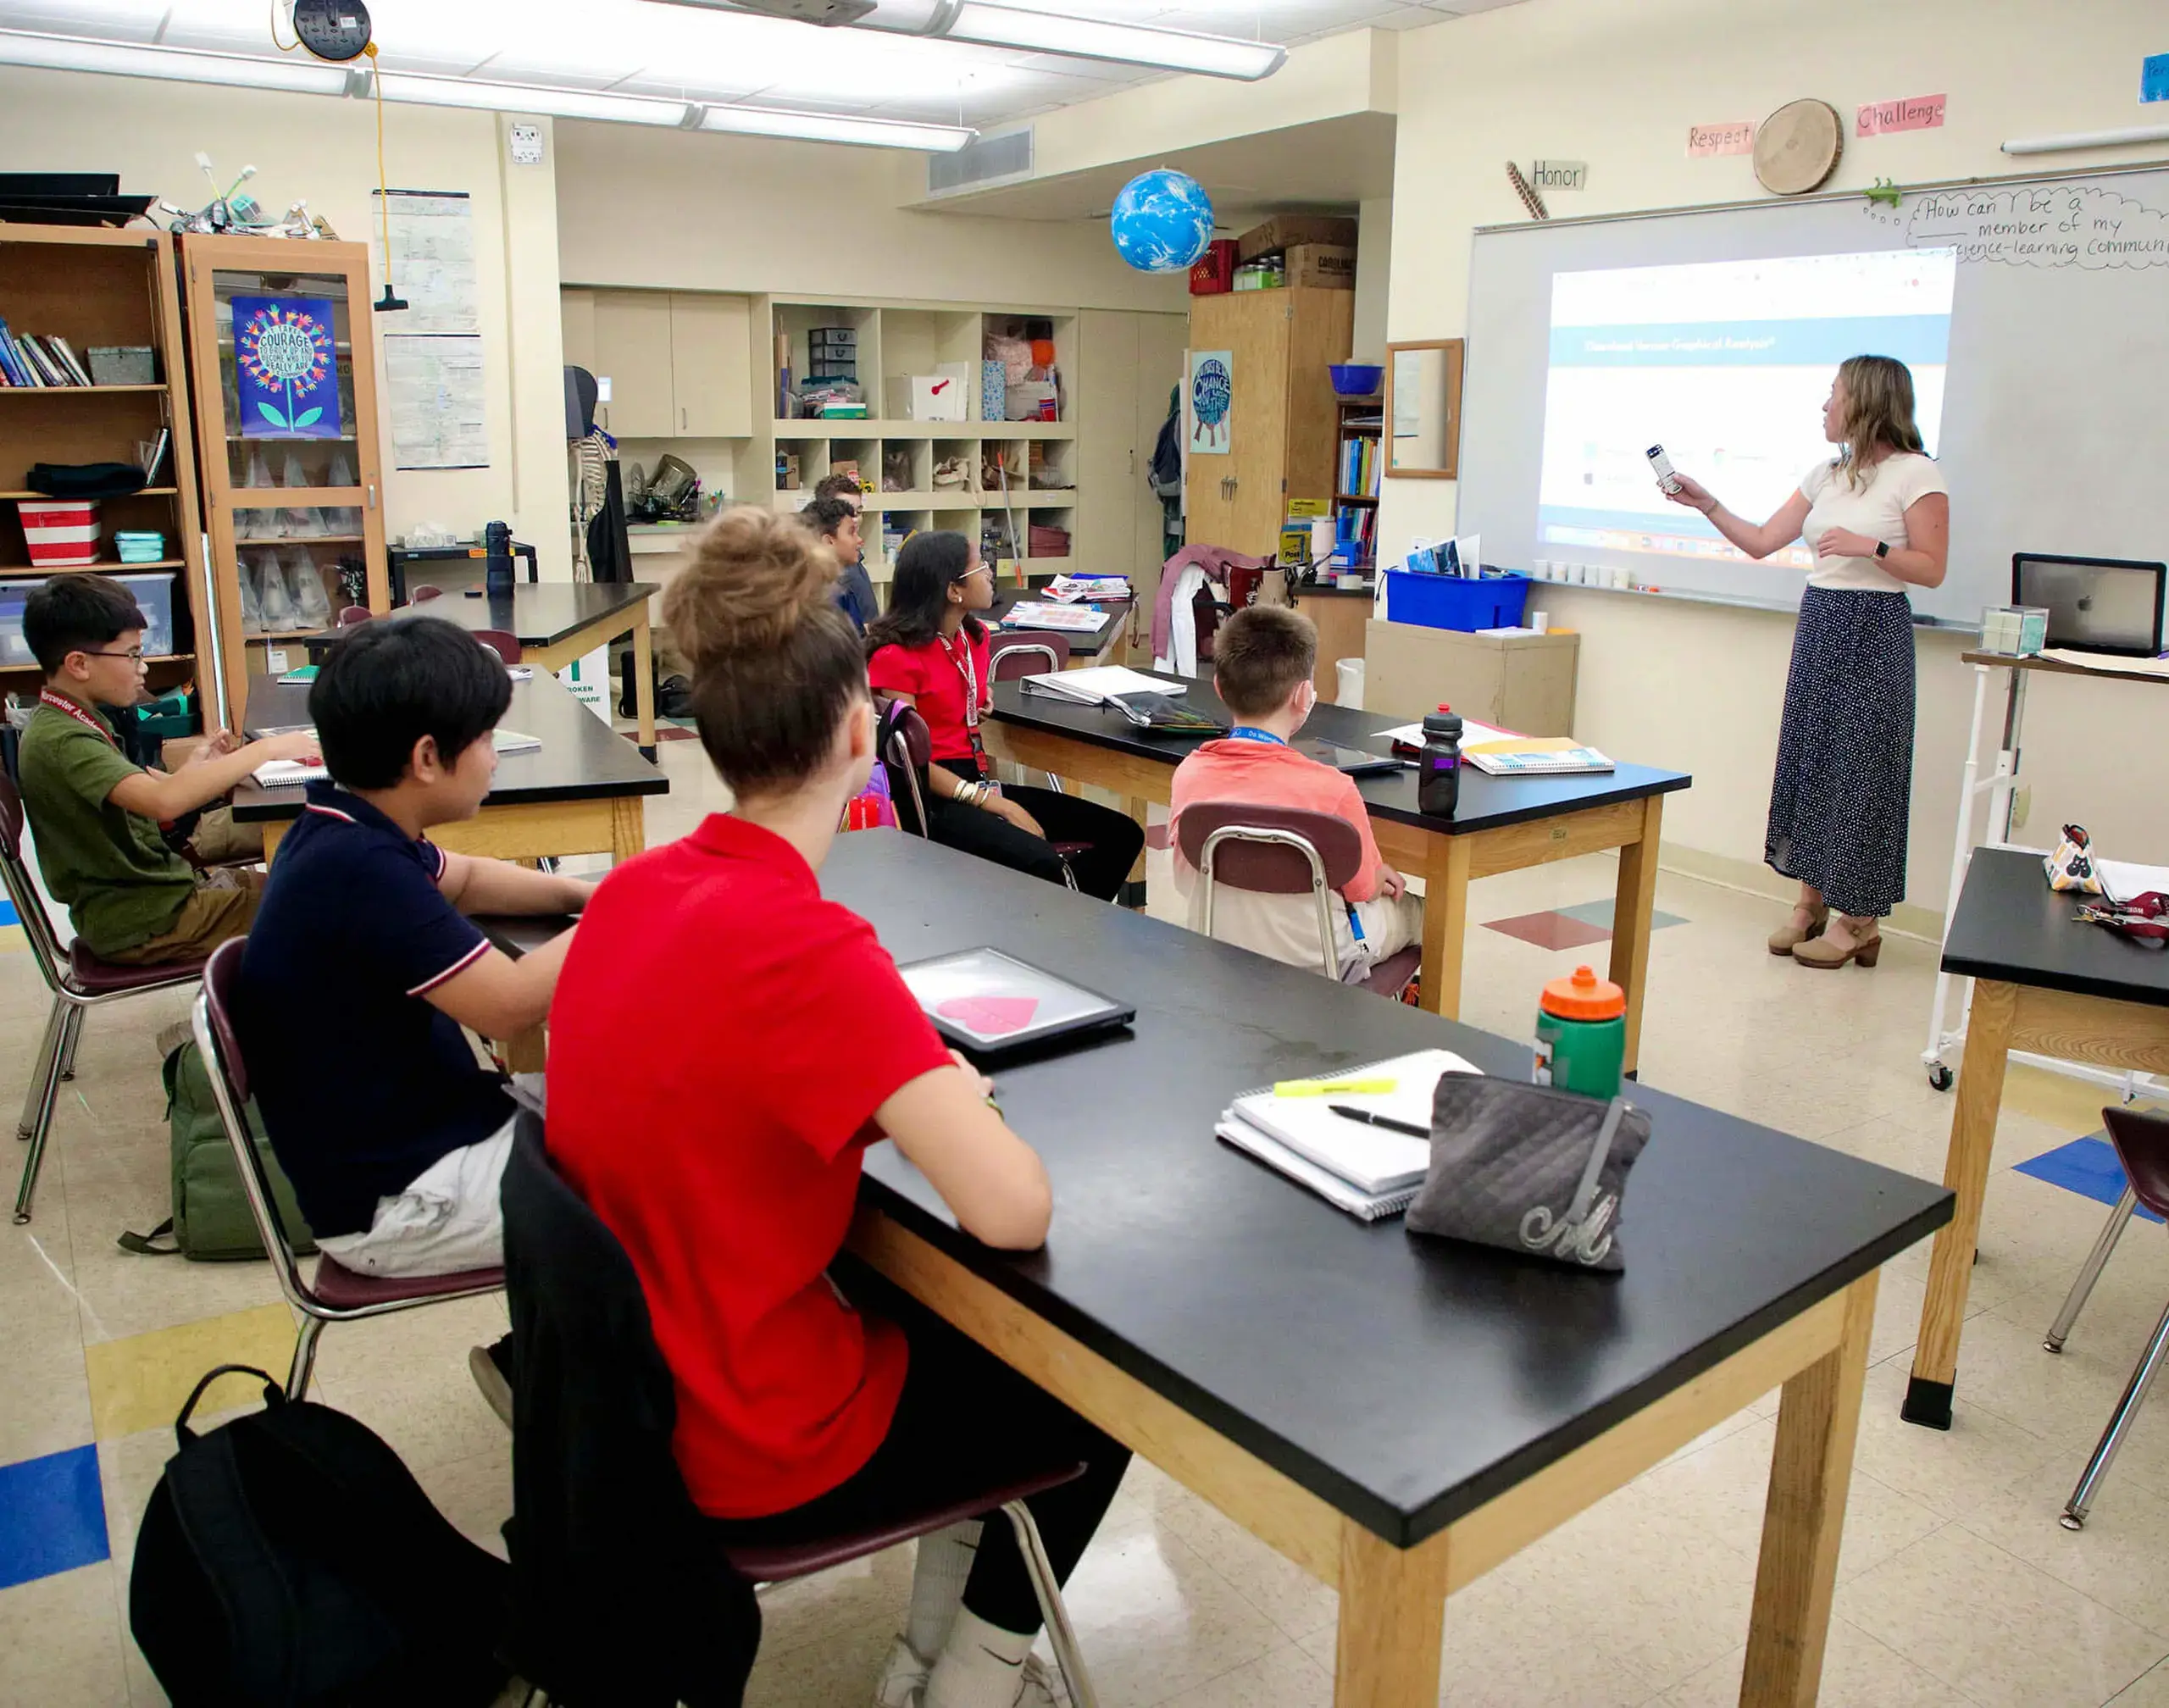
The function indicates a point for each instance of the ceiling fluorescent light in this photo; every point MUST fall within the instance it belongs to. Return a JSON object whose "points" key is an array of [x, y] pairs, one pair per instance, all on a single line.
{"points": [[1127, 44], [522, 97], [830, 127], [301, 76]]}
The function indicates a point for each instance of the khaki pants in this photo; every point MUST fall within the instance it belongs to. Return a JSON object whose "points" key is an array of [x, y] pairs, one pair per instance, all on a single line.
{"points": [[223, 905], [218, 840]]}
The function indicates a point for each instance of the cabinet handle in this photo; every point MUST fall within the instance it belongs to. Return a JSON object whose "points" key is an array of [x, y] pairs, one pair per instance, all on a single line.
{"points": [[372, 494], [681, 420]]}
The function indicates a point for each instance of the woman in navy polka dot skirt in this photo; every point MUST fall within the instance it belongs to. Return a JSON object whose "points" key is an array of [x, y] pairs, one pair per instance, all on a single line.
{"points": [[1878, 518]]}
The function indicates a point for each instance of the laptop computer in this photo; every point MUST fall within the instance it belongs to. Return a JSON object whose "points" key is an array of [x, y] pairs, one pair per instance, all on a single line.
{"points": [[2109, 605]]}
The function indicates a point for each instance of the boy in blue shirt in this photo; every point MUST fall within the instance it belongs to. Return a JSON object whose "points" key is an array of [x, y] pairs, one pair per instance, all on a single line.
{"points": [[362, 966], [834, 517]]}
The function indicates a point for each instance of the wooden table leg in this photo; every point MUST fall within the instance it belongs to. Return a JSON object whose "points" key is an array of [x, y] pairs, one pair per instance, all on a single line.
{"points": [[628, 827], [1811, 1470], [274, 832], [1446, 922], [1966, 1172], [1393, 1618], [644, 682], [1632, 904]]}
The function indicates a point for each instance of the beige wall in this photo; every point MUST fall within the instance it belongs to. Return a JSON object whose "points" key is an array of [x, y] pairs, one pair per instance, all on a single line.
{"points": [[324, 149], [1373, 267], [637, 206], [1700, 687]]}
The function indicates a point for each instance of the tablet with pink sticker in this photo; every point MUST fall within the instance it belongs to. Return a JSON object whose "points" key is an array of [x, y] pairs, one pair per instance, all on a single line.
{"points": [[981, 999]]}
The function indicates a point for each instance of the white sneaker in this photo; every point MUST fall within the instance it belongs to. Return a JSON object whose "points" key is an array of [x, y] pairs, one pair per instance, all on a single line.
{"points": [[903, 1683]]}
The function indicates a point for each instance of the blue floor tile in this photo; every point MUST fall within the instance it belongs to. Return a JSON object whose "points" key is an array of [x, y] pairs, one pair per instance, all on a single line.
{"points": [[52, 1516], [9, 916], [2088, 1166], [1600, 913]]}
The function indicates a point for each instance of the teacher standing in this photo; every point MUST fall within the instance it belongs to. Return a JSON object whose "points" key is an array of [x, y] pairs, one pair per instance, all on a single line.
{"points": [[1878, 516]]}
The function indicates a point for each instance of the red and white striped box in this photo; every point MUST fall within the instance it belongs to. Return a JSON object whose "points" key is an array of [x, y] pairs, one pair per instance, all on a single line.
{"points": [[61, 533]]}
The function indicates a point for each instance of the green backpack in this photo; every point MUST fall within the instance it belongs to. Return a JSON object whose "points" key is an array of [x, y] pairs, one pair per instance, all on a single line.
{"points": [[211, 1220]]}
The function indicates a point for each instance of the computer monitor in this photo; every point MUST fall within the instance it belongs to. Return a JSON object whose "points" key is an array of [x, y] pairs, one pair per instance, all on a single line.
{"points": [[2095, 604]]}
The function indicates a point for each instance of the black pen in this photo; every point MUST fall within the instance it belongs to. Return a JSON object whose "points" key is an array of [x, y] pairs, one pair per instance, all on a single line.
{"points": [[1385, 1121]]}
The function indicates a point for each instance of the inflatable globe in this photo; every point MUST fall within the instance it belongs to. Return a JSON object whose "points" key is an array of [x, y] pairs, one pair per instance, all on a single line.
{"points": [[1162, 221]]}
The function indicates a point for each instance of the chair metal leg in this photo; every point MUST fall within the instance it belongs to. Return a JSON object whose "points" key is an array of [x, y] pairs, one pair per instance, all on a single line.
{"points": [[74, 1036], [2120, 1423], [37, 1108], [1062, 1637], [304, 1364], [2105, 1243]]}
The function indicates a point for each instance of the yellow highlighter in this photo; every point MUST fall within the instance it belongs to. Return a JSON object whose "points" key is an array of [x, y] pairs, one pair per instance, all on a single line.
{"points": [[1335, 1088]]}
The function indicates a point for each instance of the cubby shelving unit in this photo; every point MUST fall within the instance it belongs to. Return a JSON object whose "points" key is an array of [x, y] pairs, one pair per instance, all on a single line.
{"points": [[99, 286]]}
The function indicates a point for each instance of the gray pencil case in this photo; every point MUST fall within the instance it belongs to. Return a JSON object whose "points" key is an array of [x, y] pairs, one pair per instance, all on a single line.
{"points": [[1529, 1168]]}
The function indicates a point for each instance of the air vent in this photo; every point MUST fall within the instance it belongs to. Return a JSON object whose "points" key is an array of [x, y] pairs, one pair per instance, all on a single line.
{"points": [[991, 160]]}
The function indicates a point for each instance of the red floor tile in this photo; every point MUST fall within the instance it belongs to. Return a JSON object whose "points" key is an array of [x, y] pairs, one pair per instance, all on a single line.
{"points": [[1550, 930]]}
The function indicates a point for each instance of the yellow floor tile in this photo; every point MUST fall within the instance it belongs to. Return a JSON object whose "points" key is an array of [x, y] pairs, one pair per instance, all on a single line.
{"points": [[2074, 1104], [141, 1382]]}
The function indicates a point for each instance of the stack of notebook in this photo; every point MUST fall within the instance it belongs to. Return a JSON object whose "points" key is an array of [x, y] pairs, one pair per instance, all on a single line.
{"points": [[1299, 1128]]}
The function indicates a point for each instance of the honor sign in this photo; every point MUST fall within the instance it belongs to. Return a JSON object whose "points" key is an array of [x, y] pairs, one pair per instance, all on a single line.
{"points": [[1558, 175]]}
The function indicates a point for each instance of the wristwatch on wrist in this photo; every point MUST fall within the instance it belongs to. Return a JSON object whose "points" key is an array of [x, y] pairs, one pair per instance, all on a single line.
{"points": [[1882, 548]]}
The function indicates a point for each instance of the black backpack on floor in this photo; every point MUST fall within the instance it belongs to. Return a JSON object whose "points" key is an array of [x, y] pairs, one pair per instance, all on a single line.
{"points": [[289, 1559]]}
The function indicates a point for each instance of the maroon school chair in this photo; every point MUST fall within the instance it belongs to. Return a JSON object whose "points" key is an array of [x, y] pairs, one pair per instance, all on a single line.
{"points": [[2142, 1143], [354, 615], [337, 1294], [1279, 850], [78, 982], [580, 1471], [503, 642]]}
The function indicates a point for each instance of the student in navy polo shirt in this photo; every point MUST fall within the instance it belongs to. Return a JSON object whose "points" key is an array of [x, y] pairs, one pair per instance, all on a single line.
{"points": [[362, 966], [720, 1134]]}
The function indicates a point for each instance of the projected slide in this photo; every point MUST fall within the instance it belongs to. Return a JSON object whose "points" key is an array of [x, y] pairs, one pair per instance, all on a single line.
{"points": [[1726, 364]]}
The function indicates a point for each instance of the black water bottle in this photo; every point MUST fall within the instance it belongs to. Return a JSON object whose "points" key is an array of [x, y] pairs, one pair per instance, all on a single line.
{"points": [[1438, 772], [496, 552]]}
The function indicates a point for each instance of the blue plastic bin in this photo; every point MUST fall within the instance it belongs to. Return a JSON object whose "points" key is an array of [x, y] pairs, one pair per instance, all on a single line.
{"points": [[1453, 602]]}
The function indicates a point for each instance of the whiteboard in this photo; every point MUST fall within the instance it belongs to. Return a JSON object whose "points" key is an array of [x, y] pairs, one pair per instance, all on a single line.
{"points": [[2054, 434]]}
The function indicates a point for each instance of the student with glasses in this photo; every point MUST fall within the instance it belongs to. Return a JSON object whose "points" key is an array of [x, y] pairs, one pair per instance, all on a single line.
{"points": [[930, 652], [98, 817]]}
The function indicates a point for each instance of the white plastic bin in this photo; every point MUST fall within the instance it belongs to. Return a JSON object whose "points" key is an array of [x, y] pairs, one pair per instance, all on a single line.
{"points": [[153, 591]]}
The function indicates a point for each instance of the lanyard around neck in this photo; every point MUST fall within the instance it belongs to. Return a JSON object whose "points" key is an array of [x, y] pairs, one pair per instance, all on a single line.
{"points": [[1250, 732], [960, 655], [61, 702]]}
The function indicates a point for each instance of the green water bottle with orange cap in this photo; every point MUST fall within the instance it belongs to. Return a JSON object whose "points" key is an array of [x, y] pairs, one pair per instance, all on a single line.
{"points": [[1581, 1035]]}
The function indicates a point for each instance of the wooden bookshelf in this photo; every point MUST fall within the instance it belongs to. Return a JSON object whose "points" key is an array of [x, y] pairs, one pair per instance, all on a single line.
{"points": [[102, 287]]}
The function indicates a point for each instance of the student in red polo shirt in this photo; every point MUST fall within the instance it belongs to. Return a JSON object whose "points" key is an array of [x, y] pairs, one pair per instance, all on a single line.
{"points": [[724, 1044], [930, 652]]}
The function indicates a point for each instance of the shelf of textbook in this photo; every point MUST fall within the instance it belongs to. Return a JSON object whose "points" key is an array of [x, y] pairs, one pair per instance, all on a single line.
{"points": [[72, 390], [93, 288]]}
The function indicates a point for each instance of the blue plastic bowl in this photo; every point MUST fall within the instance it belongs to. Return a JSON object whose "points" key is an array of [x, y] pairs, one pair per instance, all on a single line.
{"points": [[1355, 379]]}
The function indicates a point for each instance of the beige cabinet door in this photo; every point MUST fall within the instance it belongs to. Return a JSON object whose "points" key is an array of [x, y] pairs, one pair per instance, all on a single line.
{"points": [[632, 353], [1107, 360], [711, 366], [576, 310]]}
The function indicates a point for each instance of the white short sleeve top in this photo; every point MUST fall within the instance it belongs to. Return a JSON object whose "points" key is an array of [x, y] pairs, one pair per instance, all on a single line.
{"points": [[1876, 509]]}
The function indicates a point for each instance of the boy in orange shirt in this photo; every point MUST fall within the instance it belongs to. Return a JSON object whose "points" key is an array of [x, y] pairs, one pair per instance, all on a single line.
{"points": [[1262, 661]]}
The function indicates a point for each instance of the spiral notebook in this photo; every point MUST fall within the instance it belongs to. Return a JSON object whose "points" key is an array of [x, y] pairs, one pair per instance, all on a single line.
{"points": [[1369, 1172]]}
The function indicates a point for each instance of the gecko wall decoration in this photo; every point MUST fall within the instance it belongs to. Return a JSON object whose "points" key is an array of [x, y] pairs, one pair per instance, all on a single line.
{"points": [[1884, 193]]}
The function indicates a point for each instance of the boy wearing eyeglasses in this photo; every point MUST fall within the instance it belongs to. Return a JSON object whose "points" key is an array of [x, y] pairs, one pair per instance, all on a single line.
{"points": [[96, 816]]}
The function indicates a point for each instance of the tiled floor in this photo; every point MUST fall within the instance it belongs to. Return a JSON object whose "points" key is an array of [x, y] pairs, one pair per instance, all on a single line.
{"points": [[1956, 1584]]}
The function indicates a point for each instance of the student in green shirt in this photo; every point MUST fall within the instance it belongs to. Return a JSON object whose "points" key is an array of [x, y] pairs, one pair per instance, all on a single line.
{"points": [[96, 816]]}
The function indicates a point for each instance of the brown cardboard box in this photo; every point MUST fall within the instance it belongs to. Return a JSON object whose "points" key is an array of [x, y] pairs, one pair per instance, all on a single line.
{"points": [[1322, 266], [1284, 230], [1520, 682]]}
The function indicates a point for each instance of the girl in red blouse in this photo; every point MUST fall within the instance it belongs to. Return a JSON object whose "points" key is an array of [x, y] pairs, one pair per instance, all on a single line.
{"points": [[931, 652], [728, 1164]]}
